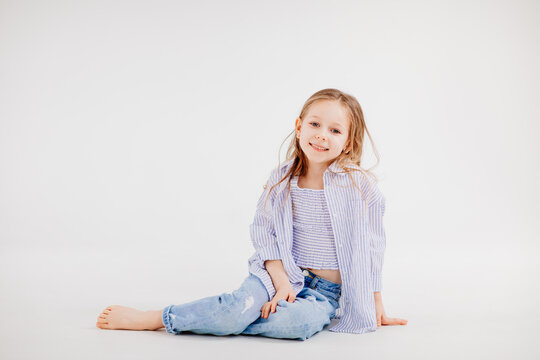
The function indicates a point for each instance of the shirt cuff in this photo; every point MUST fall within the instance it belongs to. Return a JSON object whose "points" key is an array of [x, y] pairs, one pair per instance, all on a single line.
{"points": [[376, 282], [270, 252]]}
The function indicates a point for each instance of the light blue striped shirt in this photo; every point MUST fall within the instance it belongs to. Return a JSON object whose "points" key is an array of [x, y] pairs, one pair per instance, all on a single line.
{"points": [[358, 233]]}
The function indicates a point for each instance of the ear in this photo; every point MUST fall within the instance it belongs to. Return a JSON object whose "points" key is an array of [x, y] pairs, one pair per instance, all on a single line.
{"points": [[297, 125]]}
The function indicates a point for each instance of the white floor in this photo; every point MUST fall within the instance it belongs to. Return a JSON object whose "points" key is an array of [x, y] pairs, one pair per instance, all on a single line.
{"points": [[50, 301]]}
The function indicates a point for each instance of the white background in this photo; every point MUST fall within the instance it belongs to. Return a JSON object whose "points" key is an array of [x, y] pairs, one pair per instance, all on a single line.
{"points": [[136, 136]]}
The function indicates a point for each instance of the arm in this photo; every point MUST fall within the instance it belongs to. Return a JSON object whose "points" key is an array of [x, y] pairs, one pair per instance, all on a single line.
{"points": [[263, 235], [277, 274], [377, 209], [282, 285], [378, 240]]}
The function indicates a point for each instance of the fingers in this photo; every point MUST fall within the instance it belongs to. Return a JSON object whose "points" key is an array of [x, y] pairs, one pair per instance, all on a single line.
{"points": [[391, 321], [395, 321], [263, 311], [270, 306], [402, 321], [266, 310]]}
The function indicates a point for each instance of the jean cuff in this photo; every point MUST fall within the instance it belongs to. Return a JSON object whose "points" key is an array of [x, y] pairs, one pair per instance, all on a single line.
{"points": [[166, 321]]}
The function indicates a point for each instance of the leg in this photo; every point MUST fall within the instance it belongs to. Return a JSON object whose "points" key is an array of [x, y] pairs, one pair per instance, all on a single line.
{"points": [[224, 314], [308, 314]]}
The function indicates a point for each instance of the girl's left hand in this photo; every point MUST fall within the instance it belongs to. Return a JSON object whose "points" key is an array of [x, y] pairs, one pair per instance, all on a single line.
{"points": [[381, 317]]}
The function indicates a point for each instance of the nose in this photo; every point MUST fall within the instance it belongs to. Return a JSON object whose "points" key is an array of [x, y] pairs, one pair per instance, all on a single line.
{"points": [[320, 137]]}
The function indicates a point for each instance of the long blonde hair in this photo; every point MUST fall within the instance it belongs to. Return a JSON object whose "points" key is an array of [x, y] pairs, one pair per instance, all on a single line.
{"points": [[351, 155]]}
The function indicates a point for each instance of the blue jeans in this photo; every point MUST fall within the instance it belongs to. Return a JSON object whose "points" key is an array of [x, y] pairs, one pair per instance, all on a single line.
{"points": [[239, 312]]}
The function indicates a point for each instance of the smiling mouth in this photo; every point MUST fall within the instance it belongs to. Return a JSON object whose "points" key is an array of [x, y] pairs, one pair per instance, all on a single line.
{"points": [[317, 148]]}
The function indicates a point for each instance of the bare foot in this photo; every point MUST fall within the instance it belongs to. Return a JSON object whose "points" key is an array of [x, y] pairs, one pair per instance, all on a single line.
{"points": [[118, 317]]}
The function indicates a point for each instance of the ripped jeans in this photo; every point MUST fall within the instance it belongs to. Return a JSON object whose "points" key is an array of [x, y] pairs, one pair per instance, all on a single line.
{"points": [[239, 312]]}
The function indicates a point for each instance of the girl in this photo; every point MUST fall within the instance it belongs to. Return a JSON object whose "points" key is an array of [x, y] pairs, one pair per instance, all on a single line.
{"points": [[319, 245]]}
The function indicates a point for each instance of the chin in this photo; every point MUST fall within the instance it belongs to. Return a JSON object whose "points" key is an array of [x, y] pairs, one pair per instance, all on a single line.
{"points": [[318, 159]]}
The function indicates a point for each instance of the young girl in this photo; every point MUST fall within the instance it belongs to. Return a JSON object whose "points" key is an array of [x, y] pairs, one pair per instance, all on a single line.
{"points": [[319, 245]]}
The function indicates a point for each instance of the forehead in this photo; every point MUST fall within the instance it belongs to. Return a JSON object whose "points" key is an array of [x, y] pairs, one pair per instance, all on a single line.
{"points": [[330, 112]]}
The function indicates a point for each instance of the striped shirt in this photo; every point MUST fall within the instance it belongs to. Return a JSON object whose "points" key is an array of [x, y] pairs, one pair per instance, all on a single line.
{"points": [[313, 237], [358, 234]]}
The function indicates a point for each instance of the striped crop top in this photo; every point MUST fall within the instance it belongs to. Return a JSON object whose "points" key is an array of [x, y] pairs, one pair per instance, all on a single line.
{"points": [[313, 237]]}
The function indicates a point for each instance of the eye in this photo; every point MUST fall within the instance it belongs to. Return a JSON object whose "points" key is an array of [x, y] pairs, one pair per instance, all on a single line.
{"points": [[316, 123]]}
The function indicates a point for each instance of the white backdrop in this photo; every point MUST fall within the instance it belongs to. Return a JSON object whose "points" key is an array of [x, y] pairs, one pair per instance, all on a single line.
{"points": [[136, 136]]}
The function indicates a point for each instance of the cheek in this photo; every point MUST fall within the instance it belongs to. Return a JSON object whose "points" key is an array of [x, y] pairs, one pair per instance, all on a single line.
{"points": [[305, 136], [301, 140], [336, 146]]}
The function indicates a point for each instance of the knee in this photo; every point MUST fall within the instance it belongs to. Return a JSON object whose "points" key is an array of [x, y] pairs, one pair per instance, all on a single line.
{"points": [[240, 308], [298, 325]]}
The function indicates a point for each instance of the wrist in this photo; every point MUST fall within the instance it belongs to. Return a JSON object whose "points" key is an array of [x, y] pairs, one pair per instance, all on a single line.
{"points": [[283, 285]]}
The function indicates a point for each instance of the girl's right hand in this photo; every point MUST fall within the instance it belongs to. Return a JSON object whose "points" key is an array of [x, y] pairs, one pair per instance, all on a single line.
{"points": [[287, 294]]}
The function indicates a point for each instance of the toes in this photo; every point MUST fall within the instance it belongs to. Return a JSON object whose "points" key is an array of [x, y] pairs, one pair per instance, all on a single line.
{"points": [[106, 311]]}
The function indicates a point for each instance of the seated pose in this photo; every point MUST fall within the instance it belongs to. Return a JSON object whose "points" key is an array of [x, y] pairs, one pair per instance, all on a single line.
{"points": [[319, 240]]}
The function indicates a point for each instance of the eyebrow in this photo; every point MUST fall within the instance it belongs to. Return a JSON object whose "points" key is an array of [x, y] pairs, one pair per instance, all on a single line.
{"points": [[338, 124]]}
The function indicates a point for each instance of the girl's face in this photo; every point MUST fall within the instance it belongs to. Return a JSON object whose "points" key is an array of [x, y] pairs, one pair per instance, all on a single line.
{"points": [[325, 125]]}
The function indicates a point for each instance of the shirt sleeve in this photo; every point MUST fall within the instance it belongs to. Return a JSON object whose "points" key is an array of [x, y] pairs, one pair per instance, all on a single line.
{"points": [[263, 235], [378, 240]]}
